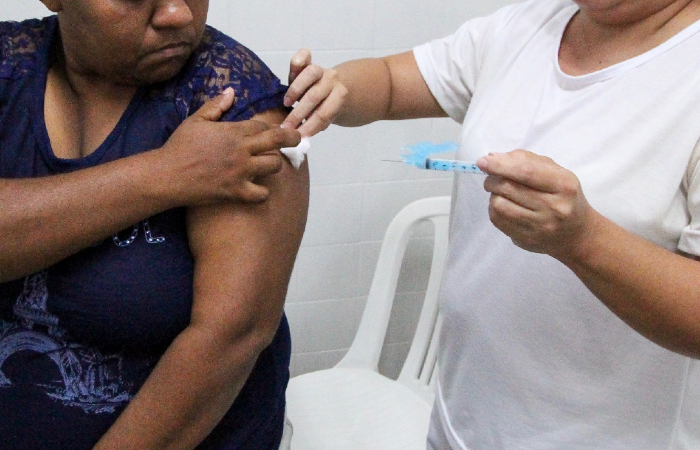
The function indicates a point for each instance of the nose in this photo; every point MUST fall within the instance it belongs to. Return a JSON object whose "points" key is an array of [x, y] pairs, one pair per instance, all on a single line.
{"points": [[171, 14]]}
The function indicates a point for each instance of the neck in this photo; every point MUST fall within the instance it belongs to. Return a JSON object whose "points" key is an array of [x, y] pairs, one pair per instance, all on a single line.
{"points": [[597, 38], [81, 109], [86, 85], [631, 14]]}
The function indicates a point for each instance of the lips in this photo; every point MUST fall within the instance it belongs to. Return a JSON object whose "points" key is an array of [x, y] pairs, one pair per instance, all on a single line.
{"points": [[175, 49]]}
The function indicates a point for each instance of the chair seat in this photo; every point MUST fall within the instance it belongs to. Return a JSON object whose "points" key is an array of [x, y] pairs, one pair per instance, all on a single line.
{"points": [[351, 406], [355, 409]]}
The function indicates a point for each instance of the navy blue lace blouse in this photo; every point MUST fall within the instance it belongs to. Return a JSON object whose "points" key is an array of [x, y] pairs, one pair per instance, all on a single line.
{"points": [[78, 339]]}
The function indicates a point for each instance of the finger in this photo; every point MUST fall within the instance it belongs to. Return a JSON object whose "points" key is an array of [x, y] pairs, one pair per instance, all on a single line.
{"points": [[214, 108], [253, 193], [265, 164], [520, 194], [245, 128], [535, 171], [299, 61], [313, 125], [304, 80], [507, 214], [324, 114], [273, 139], [520, 225], [311, 100]]}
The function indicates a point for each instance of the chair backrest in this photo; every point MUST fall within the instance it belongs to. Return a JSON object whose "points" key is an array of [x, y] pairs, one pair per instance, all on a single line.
{"points": [[419, 370]]}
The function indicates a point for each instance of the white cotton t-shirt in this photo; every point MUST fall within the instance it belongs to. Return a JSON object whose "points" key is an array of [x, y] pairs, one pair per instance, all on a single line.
{"points": [[529, 358]]}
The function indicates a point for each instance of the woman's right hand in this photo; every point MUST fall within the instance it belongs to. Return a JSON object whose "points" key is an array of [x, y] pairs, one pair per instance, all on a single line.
{"points": [[318, 92], [212, 161]]}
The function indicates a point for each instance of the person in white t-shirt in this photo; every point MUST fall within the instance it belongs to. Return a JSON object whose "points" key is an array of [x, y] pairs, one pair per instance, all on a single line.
{"points": [[572, 292]]}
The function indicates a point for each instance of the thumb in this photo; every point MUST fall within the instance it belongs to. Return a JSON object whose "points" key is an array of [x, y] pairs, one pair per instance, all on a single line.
{"points": [[214, 108]]}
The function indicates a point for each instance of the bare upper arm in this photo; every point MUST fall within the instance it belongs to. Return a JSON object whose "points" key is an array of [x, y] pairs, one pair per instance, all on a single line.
{"points": [[244, 253], [410, 96], [385, 88]]}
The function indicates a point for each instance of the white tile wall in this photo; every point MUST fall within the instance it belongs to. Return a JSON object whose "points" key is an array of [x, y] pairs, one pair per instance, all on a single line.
{"points": [[354, 194]]}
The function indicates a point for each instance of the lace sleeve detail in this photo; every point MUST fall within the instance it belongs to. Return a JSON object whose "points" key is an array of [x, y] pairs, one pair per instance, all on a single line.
{"points": [[18, 46], [221, 62]]}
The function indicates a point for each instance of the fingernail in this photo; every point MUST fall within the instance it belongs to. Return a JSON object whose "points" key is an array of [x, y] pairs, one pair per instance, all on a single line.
{"points": [[228, 90], [482, 162], [286, 124]]}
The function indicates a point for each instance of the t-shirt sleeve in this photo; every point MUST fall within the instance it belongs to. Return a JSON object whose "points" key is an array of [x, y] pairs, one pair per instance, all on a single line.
{"points": [[451, 66], [690, 236], [221, 62]]}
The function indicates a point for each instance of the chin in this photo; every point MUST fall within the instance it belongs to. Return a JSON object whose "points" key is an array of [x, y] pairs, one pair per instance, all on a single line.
{"points": [[163, 72]]}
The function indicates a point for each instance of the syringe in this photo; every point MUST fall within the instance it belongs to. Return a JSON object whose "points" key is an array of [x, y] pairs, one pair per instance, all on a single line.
{"points": [[419, 157], [451, 165]]}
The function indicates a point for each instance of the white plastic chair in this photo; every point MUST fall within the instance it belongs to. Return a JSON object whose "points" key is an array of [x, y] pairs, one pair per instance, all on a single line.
{"points": [[351, 406]]}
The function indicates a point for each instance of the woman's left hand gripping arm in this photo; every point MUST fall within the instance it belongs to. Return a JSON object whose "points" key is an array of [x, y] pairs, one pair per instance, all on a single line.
{"points": [[542, 208], [244, 255]]}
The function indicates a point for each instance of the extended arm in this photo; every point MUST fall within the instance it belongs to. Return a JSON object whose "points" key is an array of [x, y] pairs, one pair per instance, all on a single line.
{"points": [[357, 92], [541, 207], [652, 289], [244, 256], [44, 220]]}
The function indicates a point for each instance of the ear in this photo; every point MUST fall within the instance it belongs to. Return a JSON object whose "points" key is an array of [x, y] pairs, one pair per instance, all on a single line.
{"points": [[53, 5]]}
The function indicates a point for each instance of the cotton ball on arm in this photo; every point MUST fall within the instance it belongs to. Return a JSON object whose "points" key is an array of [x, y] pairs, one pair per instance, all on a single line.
{"points": [[296, 155]]}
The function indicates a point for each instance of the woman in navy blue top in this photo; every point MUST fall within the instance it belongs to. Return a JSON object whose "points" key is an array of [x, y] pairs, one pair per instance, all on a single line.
{"points": [[151, 319]]}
